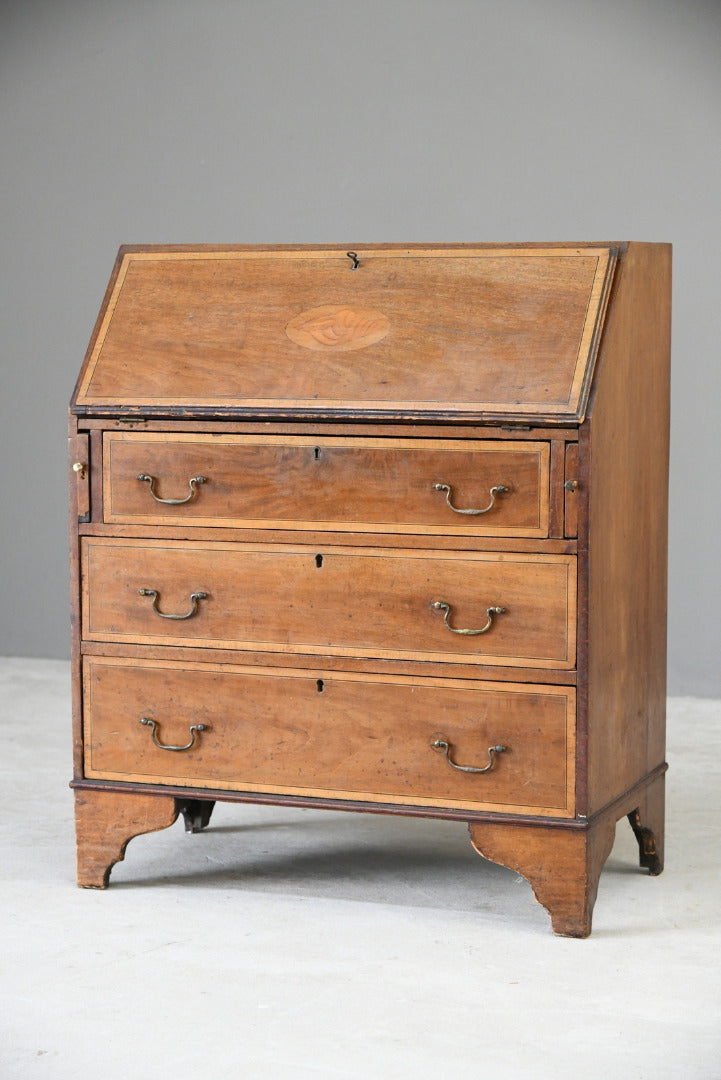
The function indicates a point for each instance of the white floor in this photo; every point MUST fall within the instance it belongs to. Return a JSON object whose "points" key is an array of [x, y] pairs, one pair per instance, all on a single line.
{"points": [[305, 945]]}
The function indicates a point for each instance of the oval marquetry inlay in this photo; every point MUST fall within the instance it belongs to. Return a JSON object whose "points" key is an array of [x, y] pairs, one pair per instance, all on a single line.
{"points": [[338, 328]]}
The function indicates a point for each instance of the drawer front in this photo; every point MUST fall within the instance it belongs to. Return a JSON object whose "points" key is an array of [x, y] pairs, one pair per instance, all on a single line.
{"points": [[334, 735], [371, 602], [368, 485]]}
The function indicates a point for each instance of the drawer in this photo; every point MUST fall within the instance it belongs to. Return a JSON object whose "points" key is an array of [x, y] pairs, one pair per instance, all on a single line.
{"points": [[369, 602], [368, 485], [333, 735]]}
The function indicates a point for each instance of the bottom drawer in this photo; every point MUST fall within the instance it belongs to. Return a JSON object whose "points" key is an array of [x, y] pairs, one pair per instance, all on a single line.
{"points": [[331, 734]]}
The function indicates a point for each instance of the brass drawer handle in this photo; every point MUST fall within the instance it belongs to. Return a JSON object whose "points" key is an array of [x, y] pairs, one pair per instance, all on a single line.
{"points": [[164, 746], [441, 743], [194, 598], [193, 483], [499, 489], [441, 605]]}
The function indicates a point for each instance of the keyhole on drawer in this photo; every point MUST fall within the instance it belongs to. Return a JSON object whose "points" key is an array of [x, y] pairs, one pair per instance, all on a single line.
{"points": [[319, 561], [319, 684], [316, 453]]}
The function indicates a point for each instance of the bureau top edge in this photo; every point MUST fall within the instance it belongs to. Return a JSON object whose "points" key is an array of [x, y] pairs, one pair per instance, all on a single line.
{"points": [[380, 246]]}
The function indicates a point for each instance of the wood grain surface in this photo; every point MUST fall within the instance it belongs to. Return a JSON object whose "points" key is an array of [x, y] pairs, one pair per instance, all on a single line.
{"points": [[359, 601], [306, 482], [477, 331], [331, 733], [105, 822], [625, 445], [322, 397]]}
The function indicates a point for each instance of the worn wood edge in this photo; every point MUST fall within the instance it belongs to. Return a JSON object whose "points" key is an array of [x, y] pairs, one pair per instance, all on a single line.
{"points": [[275, 525], [630, 799], [320, 539], [357, 413], [363, 549], [602, 300], [635, 792], [361, 440], [323, 803], [308, 649], [372, 666], [238, 667], [96, 330], [511, 432], [339, 794]]}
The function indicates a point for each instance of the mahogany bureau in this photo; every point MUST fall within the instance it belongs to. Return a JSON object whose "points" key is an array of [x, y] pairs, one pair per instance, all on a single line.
{"points": [[377, 529]]}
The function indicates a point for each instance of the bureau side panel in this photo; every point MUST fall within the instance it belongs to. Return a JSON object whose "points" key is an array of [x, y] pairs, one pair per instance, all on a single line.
{"points": [[623, 531]]}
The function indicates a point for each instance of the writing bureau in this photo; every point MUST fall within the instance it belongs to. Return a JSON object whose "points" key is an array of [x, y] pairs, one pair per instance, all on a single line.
{"points": [[377, 529]]}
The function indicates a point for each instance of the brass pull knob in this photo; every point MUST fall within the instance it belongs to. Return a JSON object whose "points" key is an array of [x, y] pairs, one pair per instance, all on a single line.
{"points": [[194, 598], [164, 746], [441, 743], [79, 468], [192, 483], [441, 605], [571, 485], [498, 489]]}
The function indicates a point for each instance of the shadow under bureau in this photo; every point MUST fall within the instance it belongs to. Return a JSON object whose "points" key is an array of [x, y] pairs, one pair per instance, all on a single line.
{"points": [[378, 529]]}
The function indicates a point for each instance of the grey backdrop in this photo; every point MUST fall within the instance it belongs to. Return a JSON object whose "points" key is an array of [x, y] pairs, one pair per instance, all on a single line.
{"points": [[127, 121]]}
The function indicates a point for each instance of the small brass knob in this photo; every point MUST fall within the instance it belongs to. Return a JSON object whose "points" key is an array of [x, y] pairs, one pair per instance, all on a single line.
{"points": [[571, 485], [79, 467]]}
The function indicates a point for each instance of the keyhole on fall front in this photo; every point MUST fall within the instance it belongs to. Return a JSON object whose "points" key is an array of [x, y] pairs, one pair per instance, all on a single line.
{"points": [[319, 684], [319, 561], [316, 453]]}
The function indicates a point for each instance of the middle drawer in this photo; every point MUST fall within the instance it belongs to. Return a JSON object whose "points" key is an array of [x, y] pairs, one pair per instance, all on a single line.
{"points": [[508, 609]]}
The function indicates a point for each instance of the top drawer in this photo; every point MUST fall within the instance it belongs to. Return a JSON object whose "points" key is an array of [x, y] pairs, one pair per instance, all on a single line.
{"points": [[431, 486]]}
